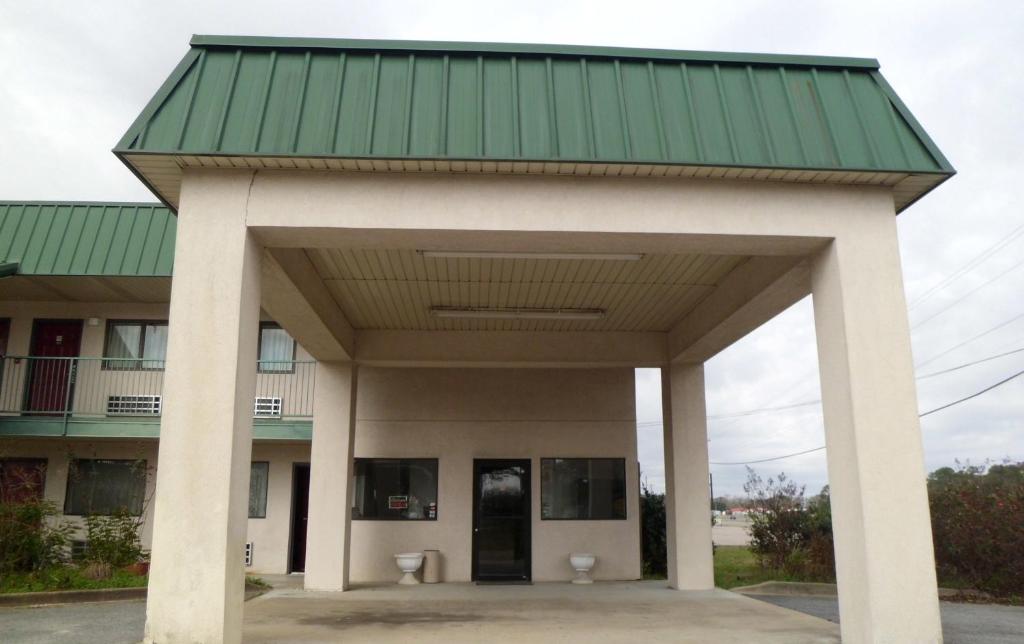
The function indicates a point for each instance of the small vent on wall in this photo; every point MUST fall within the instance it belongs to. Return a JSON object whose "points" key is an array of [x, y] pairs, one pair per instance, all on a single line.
{"points": [[134, 405], [267, 407], [248, 554]]}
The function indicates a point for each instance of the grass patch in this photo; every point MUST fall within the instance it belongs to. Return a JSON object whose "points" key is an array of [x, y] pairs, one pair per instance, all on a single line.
{"points": [[737, 566], [66, 578]]}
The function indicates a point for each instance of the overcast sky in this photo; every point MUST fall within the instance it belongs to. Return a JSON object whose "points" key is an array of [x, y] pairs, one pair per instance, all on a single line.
{"points": [[75, 75]]}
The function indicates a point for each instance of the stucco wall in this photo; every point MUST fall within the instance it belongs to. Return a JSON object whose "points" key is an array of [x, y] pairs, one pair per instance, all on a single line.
{"points": [[456, 415]]}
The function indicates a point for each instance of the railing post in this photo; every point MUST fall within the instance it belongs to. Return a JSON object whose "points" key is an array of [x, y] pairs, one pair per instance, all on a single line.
{"points": [[72, 368]]}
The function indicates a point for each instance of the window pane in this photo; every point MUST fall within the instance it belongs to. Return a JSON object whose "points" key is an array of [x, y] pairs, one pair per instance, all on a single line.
{"points": [[397, 489], [104, 486], [258, 478], [123, 341], [22, 479], [277, 349], [154, 349], [583, 488]]}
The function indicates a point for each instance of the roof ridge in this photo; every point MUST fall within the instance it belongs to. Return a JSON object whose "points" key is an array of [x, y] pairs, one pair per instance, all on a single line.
{"points": [[531, 49]]}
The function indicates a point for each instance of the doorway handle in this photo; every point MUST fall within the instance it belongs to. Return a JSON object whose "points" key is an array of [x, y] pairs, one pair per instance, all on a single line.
{"points": [[476, 529]]}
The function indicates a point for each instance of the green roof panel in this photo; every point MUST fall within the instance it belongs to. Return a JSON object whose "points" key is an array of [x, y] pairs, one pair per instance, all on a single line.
{"points": [[353, 99], [84, 238]]}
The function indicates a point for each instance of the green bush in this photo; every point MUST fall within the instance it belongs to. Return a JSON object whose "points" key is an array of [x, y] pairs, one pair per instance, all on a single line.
{"points": [[978, 526], [789, 533], [113, 539], [653, 541], [31, 536]]}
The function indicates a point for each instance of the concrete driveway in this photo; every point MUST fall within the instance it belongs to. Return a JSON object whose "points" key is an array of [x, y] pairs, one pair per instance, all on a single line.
{"points": [[451, 613]]}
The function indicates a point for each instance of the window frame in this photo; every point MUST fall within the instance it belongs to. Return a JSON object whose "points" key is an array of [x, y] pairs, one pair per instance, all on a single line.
{"points": [[400, 459], [70, 480], [130, 364], [625, 487], [259, 351], [266, 488]]}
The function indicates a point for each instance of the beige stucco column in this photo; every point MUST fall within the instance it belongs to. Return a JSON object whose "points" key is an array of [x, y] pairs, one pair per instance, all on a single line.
{"points": [[330, 495], [687, 497], [884, 557], [196, 582]]}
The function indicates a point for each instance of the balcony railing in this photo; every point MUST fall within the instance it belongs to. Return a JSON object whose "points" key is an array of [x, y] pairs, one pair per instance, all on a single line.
{"points": [[120, 387]]}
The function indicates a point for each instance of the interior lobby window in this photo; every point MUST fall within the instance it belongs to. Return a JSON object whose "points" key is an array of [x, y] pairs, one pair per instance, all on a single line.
{"points": [[276, 350], [395, 489], [104, 486], [583, 488], [135, 345], [259, 475]]}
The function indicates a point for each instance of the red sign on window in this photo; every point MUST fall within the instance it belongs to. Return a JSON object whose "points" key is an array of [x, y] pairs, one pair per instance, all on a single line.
{"points": [[398, 502]]}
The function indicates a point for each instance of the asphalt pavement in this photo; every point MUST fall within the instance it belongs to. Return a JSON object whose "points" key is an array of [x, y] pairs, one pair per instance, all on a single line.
{"points": [[961, 623]]}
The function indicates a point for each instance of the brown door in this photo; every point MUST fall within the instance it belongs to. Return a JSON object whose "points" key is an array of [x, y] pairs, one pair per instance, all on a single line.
{"points": [[50, 372]]}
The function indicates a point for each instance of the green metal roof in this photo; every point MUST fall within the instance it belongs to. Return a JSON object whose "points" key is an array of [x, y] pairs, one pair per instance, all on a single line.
{"points": [[86, 238], [266, 98]]}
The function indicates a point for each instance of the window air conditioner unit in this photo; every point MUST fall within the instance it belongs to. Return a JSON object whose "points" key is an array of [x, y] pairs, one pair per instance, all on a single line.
{"points": [[134, 405], [267, 407]]}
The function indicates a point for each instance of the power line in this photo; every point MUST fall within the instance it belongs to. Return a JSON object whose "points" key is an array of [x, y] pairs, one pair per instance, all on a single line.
{"points": [[974, 395], [966, 295], [966, 268], [970, 364], [808, 403], [776, 458], [969, 340], [929, 412]]}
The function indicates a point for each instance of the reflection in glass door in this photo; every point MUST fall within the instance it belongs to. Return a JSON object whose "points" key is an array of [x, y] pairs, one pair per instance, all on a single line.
{"points": [[501, 520]]}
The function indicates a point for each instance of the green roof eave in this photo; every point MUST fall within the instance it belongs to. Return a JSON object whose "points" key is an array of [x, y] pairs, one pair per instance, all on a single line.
{"points": [[528, 49], [87, 238], [254, 98]]}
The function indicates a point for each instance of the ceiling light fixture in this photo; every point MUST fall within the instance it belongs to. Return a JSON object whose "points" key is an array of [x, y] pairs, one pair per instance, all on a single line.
{"points": [[487, 254], [516, 314]]}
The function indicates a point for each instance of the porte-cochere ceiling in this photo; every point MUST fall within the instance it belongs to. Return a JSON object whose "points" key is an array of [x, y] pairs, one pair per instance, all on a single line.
{"points": [[410, 290]]}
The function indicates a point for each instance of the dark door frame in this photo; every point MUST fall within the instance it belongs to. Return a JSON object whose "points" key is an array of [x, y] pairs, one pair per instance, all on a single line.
{"points": [[528, 537], [292, 518], [30, 367]]}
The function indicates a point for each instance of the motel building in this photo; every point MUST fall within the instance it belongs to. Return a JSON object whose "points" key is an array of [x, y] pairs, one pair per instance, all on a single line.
{"points": [[411, 284]]}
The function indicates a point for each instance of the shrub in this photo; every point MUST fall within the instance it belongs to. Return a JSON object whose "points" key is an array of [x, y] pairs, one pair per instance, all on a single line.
{"points": [[113, 539], [31, 537], [653, 540], [978, 525], [788, 533]]}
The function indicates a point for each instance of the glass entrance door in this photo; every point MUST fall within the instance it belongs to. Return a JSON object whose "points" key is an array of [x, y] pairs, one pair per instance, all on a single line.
{"points": [[501, 520]]}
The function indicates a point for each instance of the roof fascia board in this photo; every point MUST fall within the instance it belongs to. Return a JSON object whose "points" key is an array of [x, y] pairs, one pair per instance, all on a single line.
{"points": [[489, 159], [519, 49], [43, 202]]}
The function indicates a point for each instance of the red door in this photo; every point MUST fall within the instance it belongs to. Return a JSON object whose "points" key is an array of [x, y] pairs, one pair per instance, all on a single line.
{"points": [[49, 385]]}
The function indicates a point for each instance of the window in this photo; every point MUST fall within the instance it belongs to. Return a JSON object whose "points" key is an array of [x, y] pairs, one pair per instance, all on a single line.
{"points": [[22, 479], [135, 345], [395, 489], [276, 350], [583, 488], [259, 474], [101, 486]]}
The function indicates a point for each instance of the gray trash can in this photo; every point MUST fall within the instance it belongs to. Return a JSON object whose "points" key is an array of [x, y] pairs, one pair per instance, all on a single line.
{"points": [[431, 566]]}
